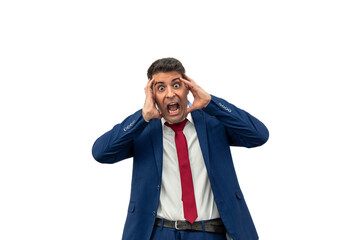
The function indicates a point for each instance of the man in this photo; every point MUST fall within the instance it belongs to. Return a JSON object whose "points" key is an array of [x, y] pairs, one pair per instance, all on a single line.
{"points": [[184, 184]]}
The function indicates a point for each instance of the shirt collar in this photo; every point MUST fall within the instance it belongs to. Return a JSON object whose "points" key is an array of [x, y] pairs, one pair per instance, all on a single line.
{"points": [[189, 117]]}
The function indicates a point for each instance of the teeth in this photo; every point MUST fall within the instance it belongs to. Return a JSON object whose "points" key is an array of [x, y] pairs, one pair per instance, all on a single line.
{"points": [[171, 106]]}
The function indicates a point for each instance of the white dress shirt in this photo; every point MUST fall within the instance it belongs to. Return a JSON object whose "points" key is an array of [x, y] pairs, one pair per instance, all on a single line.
{"points": [[171, 206]]}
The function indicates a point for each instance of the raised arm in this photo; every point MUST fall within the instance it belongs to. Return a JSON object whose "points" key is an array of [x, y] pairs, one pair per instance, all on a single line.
{"points": [[243, 129], [117, 144]]}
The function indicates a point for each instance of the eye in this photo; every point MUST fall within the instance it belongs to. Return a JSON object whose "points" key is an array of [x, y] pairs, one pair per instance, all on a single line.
{"points": [[161, 88], [176, 85]]}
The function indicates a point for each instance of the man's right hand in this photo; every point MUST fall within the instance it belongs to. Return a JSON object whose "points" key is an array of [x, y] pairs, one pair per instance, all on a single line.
{"points": [[149, 110]]}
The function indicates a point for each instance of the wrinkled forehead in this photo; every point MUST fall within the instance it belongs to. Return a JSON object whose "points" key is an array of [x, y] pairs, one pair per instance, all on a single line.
{"points": [[166, 77]]}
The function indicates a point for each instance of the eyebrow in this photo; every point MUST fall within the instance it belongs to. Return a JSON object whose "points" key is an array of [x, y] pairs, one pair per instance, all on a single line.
{"points": [[161, 82]]}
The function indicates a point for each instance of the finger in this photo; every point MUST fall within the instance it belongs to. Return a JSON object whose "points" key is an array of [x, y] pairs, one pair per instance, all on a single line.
{"points": [[187, 77], [185, 82], [150, 82], [189, 83], [149, 85]]}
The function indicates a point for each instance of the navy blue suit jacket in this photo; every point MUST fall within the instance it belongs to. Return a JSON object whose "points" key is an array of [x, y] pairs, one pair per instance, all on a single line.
{"points": [[218, 126]]}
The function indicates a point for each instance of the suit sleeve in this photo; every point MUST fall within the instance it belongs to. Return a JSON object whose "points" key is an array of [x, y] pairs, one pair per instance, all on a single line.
{"points": [[117, 144], [242, 128]]}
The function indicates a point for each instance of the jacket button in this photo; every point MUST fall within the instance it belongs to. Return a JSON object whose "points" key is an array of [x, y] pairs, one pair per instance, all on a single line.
{"points": [[158, 187], [154, 213]]}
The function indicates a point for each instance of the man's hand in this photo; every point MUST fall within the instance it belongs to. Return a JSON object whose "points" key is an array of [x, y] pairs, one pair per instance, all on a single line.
{"points": [[149, 110], [201, 97]]}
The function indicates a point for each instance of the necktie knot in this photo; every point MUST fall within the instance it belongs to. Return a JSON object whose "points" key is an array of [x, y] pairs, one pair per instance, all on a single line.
{"points": [[176, 127]]}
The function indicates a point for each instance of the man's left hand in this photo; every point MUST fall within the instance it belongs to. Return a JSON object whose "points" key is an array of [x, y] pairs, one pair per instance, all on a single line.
{"points": [[201, 97]]}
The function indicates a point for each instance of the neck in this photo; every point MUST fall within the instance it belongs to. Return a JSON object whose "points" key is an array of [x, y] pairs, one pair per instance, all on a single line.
{"points": [[175, 122]]}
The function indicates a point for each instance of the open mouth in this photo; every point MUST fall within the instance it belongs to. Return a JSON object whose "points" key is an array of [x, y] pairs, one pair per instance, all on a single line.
{"points": [[173, 108]]}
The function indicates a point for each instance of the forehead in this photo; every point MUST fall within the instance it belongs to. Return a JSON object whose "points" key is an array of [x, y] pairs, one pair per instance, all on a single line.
{"points": [[166, 77]]}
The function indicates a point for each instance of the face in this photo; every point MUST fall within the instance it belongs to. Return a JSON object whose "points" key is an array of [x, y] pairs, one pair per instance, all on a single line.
{"points": [[170, 96]]}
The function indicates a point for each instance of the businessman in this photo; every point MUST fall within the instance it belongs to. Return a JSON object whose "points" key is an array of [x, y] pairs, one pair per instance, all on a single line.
{"points": [[184, 184]]}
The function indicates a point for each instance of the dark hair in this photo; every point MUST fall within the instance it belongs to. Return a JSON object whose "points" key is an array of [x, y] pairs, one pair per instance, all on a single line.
{"points": [[165, 65]]}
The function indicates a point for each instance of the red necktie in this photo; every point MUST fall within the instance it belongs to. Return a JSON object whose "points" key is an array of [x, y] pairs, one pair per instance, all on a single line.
{"points": [[187, 186]]}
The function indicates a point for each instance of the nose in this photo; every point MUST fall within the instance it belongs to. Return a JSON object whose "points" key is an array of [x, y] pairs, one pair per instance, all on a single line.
{"points": [[170, 93]]}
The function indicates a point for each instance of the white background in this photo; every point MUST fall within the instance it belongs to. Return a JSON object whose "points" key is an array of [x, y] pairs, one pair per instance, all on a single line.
{"points": [[72, 69]]}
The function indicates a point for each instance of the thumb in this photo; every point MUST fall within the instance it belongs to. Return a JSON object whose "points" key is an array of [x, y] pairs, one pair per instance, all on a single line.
{"points": [[190, 109]]}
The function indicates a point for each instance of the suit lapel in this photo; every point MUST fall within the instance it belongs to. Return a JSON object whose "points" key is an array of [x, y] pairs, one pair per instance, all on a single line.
{"points": [[157, 141], [200, 126]]}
